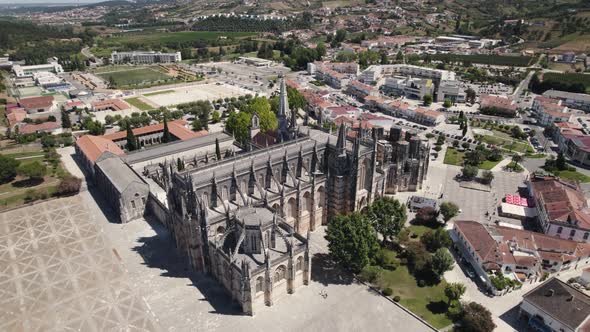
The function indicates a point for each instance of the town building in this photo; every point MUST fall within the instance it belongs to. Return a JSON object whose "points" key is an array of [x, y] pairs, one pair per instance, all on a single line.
{"points": [[562, 209], [110, 105], [580, 101], [152, 134], [410, 87], [556, 306], [37, 104], [514, 253], [360, 90], [453, 91], [501, 106], [28, 71], [144, 57], [244, 216]]}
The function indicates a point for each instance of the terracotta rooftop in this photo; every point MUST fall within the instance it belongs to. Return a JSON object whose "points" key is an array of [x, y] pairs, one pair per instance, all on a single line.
{"points": [[480, 240], [34, 128], [114, 104], [94, 146], [36, 102], [562, 201], [176, 128]]}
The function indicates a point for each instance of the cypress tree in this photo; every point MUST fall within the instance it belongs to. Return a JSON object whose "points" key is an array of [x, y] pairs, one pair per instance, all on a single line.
{"points": [[166, 136], [217, 149], [65, 119], [131, 140]]}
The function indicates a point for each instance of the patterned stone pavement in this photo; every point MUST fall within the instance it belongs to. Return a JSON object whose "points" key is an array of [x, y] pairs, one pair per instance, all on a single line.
{"points": [[58, 272]]}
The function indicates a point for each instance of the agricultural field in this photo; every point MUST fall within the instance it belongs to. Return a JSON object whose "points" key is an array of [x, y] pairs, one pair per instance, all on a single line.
{"points": [[516, 61], [569, 78], [135, 77], [163, 38]]}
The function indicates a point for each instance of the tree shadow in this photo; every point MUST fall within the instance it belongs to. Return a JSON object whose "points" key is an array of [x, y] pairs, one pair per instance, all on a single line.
{"points": [[160, 252], [326, 271], [439, 307], [31, 182]]}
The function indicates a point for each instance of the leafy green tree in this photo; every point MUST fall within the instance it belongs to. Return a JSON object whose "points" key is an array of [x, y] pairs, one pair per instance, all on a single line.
{"points": [[34, 170], [417, 255], [388, 216], [516, 159], [261, 106], [427, 99], [434, 240], [352, 241], [476, 318], [237, 124], [470, 95], [560, 162], [487, 177], [441, 261], [454, 291], [8, 168], [426, 215], [449, 210], [131, 140], [215, 117], [469, 172], [447, 103], [65, 119], [321, 50]]}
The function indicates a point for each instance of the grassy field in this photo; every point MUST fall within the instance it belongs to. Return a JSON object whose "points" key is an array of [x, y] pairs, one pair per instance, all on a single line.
{"points": [[573, 176], [569, 78], [134, 76], [139, 104], [517, 61], [428, 302], [13, 194], [454, 157], [158, 93], [506, 143], [419, 229], [487, 165]]}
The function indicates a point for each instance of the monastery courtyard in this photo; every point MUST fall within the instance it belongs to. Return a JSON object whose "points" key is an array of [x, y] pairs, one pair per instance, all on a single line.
{"points": [[105, 276]]}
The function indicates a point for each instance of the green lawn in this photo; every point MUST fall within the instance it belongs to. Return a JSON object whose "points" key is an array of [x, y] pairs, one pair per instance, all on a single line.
{"points": [[487, 165], [419, 229], [428, 302], [507, 144], [139, 104], [134, 76], [158, 93], [573, 176], [454, 157]]}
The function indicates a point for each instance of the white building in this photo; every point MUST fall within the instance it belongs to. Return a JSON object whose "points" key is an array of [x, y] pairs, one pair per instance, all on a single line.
{"points": [[145, 57], [27, 71]]}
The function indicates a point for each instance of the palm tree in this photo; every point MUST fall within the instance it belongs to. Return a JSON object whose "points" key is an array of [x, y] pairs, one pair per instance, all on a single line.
{"points": [[516, 158]]}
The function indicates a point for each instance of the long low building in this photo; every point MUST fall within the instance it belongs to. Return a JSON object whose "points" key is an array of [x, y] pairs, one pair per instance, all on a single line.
{"points": [[579, 101], [26, 71], [145, 57], [514, 253]]}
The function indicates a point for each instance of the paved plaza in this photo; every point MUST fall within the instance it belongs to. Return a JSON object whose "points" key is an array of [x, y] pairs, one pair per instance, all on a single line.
{"points": [[187, 94], [65, 267], [58, 272]]}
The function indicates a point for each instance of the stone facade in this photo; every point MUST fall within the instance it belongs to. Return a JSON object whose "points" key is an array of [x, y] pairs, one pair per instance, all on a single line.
{"points": [[245, 218]]}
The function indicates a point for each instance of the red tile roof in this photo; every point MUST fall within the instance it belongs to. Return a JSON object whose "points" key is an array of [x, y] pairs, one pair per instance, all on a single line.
{"points": [[176, 128], [43, 127], [94, 146], [114, 104], [36, 102]]}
